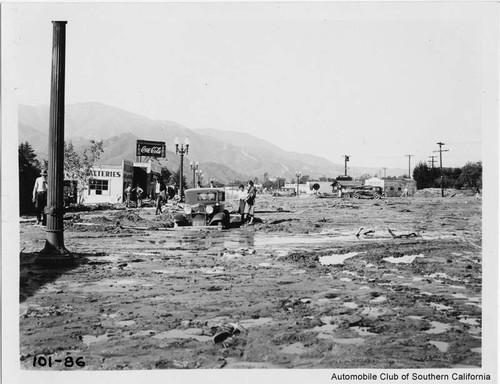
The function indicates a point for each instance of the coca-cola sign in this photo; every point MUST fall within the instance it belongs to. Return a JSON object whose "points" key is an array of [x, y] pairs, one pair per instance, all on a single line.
{"points": [[150, 148]]}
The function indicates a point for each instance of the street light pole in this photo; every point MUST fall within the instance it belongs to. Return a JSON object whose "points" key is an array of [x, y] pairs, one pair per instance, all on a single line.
{"points": [[298, 175], [194, 168], [54, 252], [181, 149]]}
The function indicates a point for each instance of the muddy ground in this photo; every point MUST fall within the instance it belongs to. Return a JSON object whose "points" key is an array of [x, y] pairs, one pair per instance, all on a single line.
{"points": [[319, 283]]}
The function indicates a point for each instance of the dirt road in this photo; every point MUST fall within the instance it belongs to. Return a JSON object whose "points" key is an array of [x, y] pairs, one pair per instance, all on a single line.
{"points": [[319, 283]]}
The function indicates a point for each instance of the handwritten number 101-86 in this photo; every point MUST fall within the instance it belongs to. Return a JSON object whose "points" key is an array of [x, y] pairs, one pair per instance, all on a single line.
{"points": [[68, 362]]}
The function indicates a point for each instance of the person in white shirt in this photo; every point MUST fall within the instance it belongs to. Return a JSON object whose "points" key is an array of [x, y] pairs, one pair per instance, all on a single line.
{"points": [[40, 198], [242, 197]]}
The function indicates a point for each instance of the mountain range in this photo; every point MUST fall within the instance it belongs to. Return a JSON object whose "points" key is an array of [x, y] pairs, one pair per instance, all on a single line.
{"points": [[222, 155]]}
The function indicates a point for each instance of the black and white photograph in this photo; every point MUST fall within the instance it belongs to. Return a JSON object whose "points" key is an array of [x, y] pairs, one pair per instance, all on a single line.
{"points": [[275, 192]]}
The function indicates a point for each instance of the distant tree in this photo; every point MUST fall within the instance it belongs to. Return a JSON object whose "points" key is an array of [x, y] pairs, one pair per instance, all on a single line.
{"points": [[471, 176], [166, 174], [175, 177], [78, 166], [266, 176], [29, 170], [425, 176], [304, 179]]}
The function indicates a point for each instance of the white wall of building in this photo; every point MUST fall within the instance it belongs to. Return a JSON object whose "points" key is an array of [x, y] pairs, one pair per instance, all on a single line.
{"points": [[106, 185]]}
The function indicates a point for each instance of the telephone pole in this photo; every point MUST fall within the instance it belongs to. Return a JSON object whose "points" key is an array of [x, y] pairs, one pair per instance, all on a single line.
{"points": [[432, 161], [409, 167], [385, 173], [346, 159], [441, 150]]}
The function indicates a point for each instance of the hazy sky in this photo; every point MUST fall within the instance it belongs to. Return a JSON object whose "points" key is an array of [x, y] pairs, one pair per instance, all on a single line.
{"points": [[376, 81]]}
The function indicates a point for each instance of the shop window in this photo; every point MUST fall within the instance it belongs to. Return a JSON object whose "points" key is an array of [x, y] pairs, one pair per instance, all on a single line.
{"points": [[98, 186]]}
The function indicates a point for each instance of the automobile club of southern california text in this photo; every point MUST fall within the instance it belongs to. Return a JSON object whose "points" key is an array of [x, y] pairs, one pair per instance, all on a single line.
{"points": [[384, 376]]}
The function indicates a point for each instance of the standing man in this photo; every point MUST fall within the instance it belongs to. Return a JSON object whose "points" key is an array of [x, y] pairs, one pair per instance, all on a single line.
{"points": [[250, 202], [138, 195], [128, 193], [40, 198], [242, 197], [161, 195]]}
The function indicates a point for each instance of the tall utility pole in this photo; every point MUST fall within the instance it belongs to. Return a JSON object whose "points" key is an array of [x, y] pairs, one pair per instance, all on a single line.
{"points": [[346, 159], [55, 253], [409, 166], [432, 161], [441, 164], [385, 172]]}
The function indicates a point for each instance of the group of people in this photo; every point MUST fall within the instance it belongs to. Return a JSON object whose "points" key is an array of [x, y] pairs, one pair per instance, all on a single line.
{"points": [[247, 202], [138, 195], [161, 194]]}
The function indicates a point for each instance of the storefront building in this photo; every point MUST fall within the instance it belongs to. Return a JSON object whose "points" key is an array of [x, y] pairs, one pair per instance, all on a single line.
{"points": [[108, 182]]}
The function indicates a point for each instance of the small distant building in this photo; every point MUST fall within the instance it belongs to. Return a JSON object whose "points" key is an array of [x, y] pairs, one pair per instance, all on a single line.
{"points": [[394, 187], [324, 187], [303, 188]]}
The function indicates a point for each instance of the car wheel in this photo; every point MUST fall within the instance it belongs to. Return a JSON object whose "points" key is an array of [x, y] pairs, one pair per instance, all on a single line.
{"points": [[356, 196], [376, 196]]}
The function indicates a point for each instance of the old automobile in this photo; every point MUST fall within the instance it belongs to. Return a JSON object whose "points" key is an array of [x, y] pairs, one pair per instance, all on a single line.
{"points": [[203, 207], [368, 192]]}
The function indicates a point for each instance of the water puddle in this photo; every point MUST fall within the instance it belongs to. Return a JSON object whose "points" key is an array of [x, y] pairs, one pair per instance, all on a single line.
{"points": [[351, 341], [249, 323], [111, 316], [413, 317], [375, 312], [162, 271], [231, 256], [265, 265], [213, 271], [456, 286], [379, 299], [286, 240], [470, 321], [90, 339], [459, 296], [363, 331], [294, 349], [336, 259], [403, 259], [438, 327], [346, 279], [191, 333], [476, 350], [441, 345], [125, 323], [440, 307], [351, 305]]}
